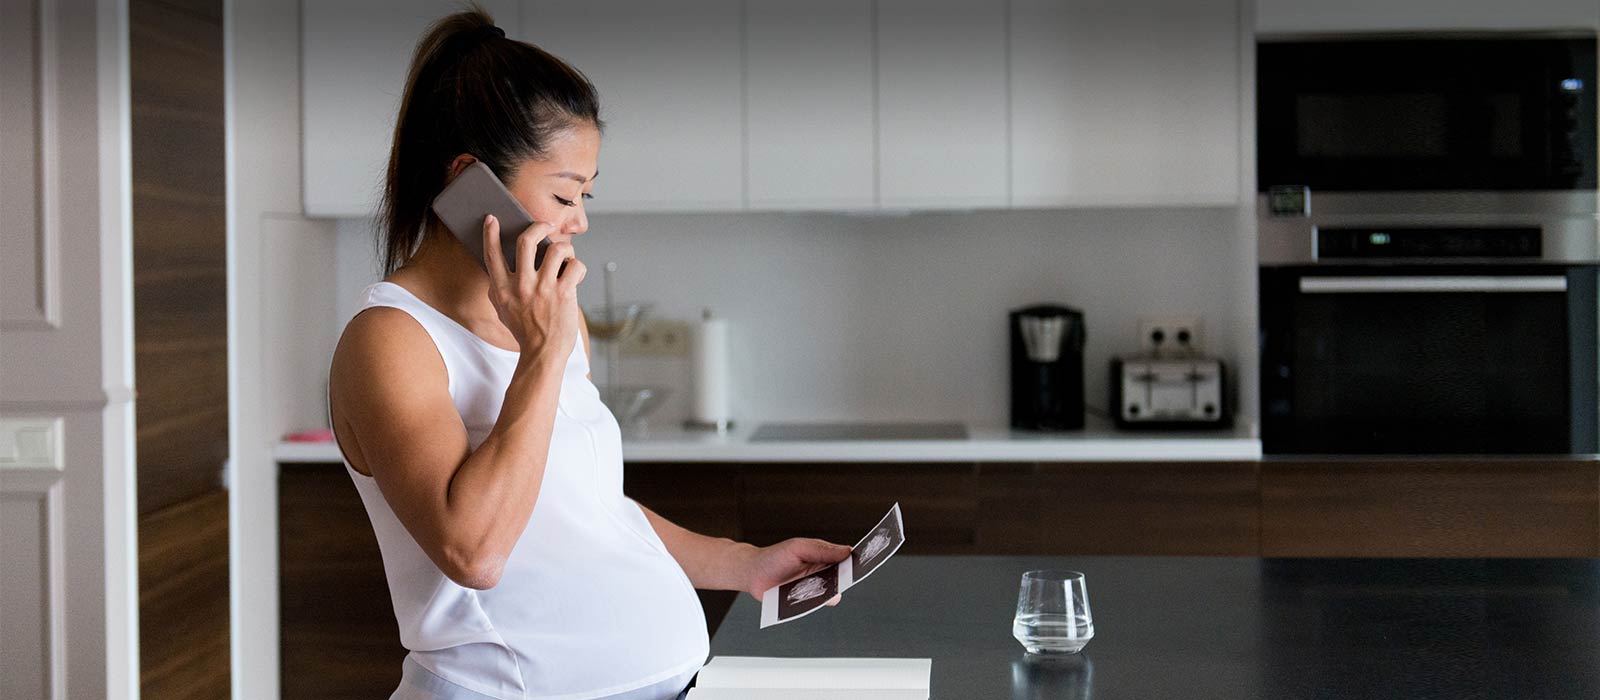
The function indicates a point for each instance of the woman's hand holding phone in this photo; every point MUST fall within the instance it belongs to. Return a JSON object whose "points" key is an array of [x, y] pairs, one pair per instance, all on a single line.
{"points": [[539, 306]]}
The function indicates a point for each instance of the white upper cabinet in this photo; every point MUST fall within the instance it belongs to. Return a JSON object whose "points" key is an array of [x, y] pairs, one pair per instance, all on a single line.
{"points": [[1312, 16], [941, 104], [355, 54], [808, 104], [731, 105], [1125, 103], [670, 82]]}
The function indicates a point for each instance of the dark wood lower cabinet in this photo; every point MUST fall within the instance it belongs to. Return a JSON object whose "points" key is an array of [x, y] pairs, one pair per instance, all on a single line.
{"points": [[1119, 508], [1443, 508], [841, 502], [340, 638], [701, 497]]}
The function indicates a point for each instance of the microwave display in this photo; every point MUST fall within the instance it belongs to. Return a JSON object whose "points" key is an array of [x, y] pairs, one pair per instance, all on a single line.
{"points": [[1427, 114]]}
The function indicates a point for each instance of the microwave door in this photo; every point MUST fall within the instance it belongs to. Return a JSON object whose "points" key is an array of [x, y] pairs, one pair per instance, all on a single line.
{"points": [[1427, 114]]}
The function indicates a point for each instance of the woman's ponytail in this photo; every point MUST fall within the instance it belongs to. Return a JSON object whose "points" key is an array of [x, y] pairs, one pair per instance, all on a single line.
{"points": [[471, 90]]}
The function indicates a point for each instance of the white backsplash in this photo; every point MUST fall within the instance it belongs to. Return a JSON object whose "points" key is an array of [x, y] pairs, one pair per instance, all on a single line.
{"points": [[838, 317]]}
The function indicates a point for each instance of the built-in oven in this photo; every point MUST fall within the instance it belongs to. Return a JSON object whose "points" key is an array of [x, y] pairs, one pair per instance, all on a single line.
{"points": [[1406, 113], [1428, 358]]}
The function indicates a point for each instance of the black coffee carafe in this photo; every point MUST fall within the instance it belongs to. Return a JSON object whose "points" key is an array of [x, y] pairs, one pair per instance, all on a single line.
{"points": [[1047, 368]]}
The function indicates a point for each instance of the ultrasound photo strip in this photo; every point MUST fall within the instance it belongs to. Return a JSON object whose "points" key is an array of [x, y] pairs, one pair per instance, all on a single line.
{"points": [[800, 597], [807, 594], [873, 550]]}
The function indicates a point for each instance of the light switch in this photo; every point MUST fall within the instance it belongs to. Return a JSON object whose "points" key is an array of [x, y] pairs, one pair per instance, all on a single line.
{"points": [[30, 443]]}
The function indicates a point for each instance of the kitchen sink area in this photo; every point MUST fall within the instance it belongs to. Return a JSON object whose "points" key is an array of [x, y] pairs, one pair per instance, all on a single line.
{"points": [[799, 432]]}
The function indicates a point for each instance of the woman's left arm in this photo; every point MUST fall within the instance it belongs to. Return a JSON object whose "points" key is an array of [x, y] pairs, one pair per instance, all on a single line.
{"points": [[721, 564]]}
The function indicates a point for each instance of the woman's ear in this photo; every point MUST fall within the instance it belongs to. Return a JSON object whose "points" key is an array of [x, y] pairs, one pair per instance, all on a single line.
{"points": [[459, 164]]}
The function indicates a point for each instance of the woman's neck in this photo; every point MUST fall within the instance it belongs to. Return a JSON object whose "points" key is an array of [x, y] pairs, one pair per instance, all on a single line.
{"points": [[446, 271]]}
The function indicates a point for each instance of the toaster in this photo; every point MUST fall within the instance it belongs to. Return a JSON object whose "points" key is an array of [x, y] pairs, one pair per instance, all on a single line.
{"points": [[1169, 392]]}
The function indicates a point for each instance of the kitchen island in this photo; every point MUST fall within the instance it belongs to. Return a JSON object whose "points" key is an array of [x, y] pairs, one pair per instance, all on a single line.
{"points": [[339, 638], [1236, 628]]}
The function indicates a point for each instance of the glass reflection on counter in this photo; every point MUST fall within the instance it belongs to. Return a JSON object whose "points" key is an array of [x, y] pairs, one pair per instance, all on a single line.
{"points": [[1035, 677]]}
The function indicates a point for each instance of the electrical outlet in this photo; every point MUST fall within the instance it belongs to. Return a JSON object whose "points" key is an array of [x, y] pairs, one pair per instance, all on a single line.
{"points": [[658, 337], [1171, 334]]}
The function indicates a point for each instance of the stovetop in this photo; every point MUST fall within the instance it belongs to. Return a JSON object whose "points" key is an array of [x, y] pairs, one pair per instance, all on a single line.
{"points": [[789, 432]]}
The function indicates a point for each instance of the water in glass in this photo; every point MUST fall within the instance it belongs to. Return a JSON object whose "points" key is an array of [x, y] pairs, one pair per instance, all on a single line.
{"points": [[1052, 633]]}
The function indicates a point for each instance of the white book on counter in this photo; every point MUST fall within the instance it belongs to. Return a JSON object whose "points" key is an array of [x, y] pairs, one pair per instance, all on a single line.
{"points": [[766, 678]]}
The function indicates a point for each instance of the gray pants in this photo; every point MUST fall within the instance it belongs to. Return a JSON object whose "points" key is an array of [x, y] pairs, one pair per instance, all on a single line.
{"points": [[418, 683]]}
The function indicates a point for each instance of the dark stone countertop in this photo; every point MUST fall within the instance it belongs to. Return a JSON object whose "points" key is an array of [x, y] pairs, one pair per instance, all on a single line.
{"points": [[1181, 627]]}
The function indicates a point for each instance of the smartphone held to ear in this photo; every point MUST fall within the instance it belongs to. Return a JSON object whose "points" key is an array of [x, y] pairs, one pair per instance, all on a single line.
{"points": [[474, 193]]}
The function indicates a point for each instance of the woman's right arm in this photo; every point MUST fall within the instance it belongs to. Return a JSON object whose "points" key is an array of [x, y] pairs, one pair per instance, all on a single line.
{"points": [[393, 412]]}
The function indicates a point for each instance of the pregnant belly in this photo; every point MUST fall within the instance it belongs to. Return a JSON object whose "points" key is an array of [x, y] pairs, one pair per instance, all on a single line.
{"points": [[598, 614]]}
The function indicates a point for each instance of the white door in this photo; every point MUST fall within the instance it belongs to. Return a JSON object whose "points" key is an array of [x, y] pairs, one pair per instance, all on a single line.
{"points": [[68, 562]]}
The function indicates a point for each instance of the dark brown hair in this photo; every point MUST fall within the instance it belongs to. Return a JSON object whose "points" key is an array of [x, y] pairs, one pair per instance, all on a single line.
{"points": [[471, 90]]}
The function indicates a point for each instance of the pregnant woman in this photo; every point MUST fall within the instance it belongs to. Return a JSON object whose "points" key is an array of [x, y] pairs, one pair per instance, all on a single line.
{"points": [[462, 405]]}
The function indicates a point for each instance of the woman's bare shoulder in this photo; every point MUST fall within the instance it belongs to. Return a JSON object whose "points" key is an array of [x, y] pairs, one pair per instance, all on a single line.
{"points": [[384, 343], [387, 385]]}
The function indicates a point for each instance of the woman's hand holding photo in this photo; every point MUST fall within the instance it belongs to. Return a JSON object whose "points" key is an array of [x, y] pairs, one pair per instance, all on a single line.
{"points": [[765, 567]]}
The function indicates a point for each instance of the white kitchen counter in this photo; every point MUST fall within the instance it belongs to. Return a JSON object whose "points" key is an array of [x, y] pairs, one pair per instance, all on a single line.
{"points": [[1099, 442]]}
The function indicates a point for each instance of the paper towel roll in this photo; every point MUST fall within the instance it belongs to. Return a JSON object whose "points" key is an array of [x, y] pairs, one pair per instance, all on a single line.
{"points": [[711, 373]]}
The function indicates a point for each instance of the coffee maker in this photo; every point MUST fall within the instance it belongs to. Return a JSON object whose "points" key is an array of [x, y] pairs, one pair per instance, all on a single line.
{"points": [[1047, 368]]}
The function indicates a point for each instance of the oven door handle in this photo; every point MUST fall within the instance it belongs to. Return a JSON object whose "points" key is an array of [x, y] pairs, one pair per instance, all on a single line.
{"points": [[1436, 283]]}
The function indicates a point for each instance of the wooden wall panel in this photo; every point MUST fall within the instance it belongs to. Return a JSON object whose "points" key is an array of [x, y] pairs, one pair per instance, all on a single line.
{"points": [[1447, 508], [179, 249], [183, 599], [180, 344], [1119, 509]]}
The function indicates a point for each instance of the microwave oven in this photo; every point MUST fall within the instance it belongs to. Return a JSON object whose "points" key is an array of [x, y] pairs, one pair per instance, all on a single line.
{"points": [[1378, 113]]}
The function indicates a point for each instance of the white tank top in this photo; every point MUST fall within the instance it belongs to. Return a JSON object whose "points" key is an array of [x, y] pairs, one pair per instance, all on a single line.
{"points": [[591, 604]]}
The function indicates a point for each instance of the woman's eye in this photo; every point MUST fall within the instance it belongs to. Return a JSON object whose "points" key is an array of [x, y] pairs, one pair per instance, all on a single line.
{"points": [[586, 195], [564, 202]]}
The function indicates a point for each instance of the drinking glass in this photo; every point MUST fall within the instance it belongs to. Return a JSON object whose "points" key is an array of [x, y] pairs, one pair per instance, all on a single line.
{"points": [[1053, 613]]}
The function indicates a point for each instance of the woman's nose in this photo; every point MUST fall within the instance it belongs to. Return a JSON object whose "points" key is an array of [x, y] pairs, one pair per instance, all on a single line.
{"points": [[579, 223]]}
